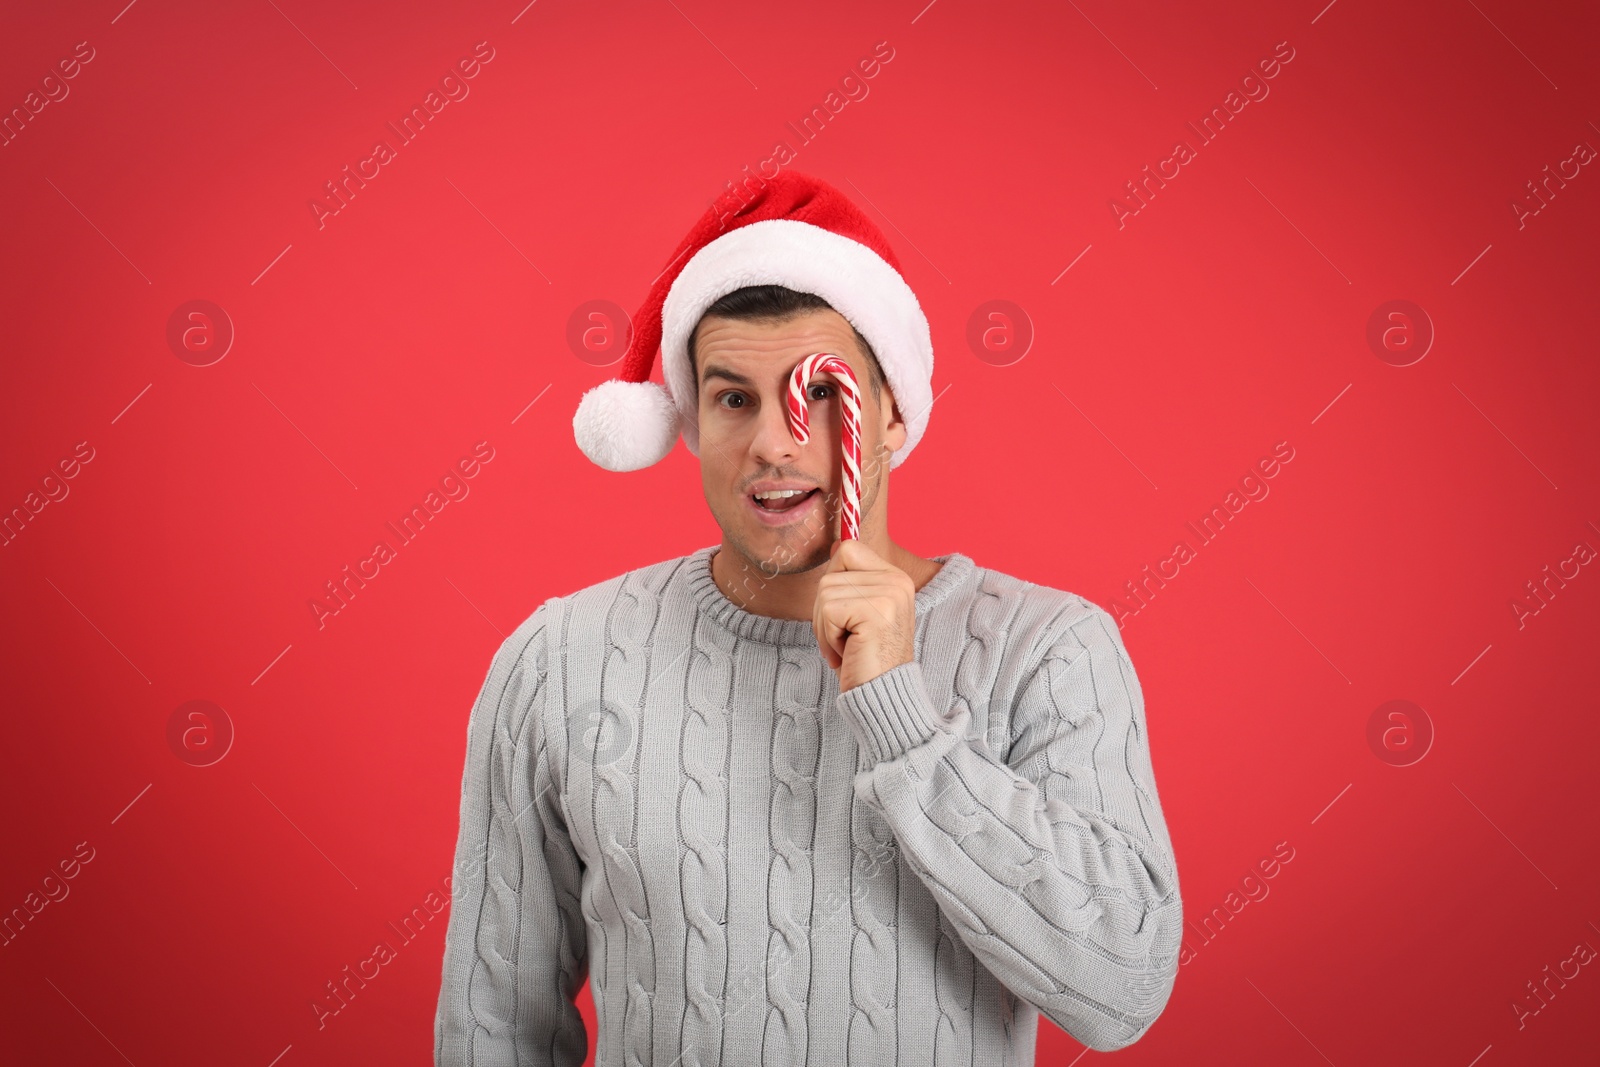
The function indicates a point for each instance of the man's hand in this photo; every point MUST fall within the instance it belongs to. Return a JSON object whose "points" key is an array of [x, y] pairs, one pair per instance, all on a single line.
{"points": [[866, 614]]}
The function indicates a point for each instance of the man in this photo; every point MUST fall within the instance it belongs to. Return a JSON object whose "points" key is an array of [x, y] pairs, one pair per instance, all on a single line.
{"points": [[791, 799]]}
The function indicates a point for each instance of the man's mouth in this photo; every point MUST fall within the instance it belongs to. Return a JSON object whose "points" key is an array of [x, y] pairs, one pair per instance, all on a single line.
{"points": [[782, 501]]}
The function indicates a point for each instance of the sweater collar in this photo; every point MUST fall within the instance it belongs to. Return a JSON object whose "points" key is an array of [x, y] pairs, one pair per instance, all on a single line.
{"points": [[765, 629]]}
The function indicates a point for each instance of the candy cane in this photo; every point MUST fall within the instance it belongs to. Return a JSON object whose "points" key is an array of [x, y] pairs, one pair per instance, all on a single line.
{"points": [[850, 402]]}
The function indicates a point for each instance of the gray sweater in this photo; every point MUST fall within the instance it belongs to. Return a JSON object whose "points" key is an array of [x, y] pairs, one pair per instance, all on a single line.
{"points": [[667, 796]]}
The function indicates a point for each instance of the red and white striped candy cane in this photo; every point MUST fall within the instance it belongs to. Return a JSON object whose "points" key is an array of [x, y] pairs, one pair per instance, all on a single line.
{"points": [[850, 404]]}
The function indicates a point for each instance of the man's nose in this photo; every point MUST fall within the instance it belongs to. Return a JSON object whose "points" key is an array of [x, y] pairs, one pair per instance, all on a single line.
{"points": [[774, 443]]}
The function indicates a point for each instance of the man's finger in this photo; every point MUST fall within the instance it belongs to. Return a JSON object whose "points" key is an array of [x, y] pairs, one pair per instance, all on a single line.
{"points": [[856, 556], [833, 635], [820, 627]]}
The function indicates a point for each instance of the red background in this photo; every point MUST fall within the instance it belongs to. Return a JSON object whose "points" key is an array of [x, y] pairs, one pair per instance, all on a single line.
{"points": [[372, 353]]}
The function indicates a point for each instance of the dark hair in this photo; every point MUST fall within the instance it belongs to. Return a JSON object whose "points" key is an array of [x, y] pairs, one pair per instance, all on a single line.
{"points": [[775, 303]]}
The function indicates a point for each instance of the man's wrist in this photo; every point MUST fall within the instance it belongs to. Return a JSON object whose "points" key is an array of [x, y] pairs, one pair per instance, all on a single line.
{"points": [[892, 713]]}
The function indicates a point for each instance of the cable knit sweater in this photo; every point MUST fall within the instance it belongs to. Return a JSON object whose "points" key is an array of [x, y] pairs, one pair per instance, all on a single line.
{"points": [[667, 796]]}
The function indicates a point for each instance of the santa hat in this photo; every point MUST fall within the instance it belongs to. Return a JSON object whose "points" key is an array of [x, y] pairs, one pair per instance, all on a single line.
{"points": [[797, 232]]}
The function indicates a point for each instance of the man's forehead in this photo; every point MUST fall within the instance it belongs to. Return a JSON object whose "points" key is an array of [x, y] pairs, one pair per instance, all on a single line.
{"points": [[743, 351]]}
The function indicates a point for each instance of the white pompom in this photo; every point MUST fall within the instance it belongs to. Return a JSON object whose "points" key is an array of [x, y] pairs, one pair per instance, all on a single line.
{"points": [[626, 426]]}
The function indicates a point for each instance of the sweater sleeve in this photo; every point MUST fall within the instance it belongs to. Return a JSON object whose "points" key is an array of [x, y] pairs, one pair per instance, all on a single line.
{"points": [[1054, 865], [515, 951]]}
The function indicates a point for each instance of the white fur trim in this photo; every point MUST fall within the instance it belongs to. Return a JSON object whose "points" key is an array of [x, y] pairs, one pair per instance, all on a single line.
{"points": [[853, 278], [625, 426]]}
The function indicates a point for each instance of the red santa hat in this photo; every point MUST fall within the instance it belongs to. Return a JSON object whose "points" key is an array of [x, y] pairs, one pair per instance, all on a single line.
{"points": [[797, 232]]}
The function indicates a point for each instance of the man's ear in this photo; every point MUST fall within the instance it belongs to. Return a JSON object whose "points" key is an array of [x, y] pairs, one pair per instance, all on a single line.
{"points": [[896, 432]]}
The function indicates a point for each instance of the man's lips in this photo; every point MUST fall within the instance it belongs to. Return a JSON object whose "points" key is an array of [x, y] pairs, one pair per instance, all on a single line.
{"points": [[784, 518]]}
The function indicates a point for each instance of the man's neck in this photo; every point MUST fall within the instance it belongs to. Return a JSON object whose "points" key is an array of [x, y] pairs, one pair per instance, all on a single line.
{"points": [[794, 596]]}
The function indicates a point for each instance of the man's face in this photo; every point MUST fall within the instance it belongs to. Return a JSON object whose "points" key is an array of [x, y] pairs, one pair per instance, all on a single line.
{"points": [[743, 372]]}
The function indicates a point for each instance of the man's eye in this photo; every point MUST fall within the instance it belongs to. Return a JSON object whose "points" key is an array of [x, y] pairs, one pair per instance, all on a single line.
{"points": [[829, 392], [726, 395]]}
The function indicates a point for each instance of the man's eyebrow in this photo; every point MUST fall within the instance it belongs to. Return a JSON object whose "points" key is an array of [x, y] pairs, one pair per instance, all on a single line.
{"points": [[723, 372]]}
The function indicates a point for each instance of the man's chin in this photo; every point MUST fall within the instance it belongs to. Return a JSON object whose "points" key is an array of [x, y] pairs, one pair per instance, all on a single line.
{"points": [[783, 550]]}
